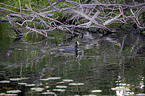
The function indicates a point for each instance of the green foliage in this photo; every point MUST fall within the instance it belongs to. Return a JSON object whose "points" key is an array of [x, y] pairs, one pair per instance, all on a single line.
{"points": [[33, 4]]}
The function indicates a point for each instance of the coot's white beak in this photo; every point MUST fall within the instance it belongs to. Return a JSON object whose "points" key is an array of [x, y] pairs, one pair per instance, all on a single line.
{"points": [[78, 42]]}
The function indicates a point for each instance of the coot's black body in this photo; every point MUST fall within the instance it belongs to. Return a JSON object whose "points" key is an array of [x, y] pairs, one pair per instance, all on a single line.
{"points": [[71, 49]]}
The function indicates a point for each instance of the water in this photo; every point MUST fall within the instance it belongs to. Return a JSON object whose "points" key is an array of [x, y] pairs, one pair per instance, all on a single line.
{"points": [[103, 66]]}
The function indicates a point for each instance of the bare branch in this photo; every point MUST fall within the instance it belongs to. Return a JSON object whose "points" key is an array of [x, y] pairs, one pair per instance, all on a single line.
{"points": [[77, 14]]}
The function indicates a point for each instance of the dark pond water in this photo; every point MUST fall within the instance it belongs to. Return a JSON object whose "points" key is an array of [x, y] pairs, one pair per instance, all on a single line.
{"points": [[112, 65]]}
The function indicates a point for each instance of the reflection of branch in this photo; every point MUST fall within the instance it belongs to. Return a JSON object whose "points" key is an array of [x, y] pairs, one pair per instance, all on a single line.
{"points": [[123, 41], [113, 41], [135, 45]]}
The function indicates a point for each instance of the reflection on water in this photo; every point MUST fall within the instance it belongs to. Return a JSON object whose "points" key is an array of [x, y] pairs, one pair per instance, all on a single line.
{"points": [[105, 65]]}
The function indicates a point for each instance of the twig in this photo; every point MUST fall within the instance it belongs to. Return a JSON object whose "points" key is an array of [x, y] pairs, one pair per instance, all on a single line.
{"points": [[13, 6]]}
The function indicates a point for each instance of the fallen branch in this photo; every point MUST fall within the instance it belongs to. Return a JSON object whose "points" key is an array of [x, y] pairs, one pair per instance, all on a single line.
{"points": [[19, 34], [71, 15]]}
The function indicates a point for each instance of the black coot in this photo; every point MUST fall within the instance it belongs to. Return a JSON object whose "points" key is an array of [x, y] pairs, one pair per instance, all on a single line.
{"points": [[71, 49]]}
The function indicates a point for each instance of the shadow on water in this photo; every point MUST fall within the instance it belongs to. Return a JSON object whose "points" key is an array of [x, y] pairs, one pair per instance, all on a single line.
{"points": [[11, 49], [104, 65]]}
